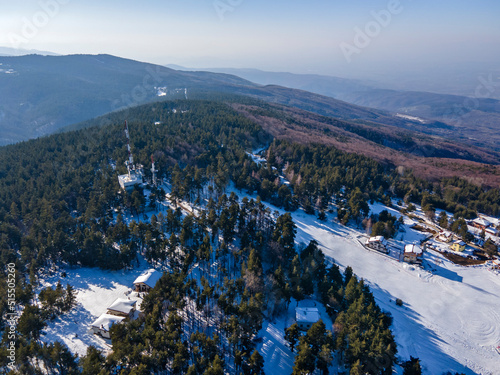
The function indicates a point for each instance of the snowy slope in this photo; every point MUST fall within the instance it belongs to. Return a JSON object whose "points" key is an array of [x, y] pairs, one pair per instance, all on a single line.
{"points": [[451, 314]]}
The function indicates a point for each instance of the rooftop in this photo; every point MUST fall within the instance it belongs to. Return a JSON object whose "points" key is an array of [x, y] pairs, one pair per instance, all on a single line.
{"points": [[128, 180], [149, 277], [378, 239], [307, 314], [446, 233], [412, 248], [105, 321], [481, 221], [123, 305]]}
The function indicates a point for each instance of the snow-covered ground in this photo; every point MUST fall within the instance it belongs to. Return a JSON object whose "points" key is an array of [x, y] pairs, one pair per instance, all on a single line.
{"points": [[450, 318], [96, 290], [411, 118], [451, 314]]}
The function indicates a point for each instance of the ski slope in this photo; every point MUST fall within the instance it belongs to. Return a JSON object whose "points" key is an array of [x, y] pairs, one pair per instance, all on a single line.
{"points": [[451, 314]]}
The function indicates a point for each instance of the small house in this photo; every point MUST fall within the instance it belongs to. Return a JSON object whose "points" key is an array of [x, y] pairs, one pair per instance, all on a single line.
{"points": [[122, 307], [147, 280], [103, 324], [480, 223], [413, 254], [378, 243], [306, 317], [458, 246], [445, 236]]}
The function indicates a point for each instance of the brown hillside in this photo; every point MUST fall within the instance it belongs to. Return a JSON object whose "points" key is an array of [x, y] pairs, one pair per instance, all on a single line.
{"points": [[304, 127]]}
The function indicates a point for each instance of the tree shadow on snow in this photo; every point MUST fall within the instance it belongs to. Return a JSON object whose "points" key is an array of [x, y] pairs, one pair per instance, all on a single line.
{"points": [[416, 340]]}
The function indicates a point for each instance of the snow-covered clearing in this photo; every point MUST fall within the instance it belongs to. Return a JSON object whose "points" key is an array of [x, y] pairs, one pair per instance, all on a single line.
{"points": [[278, 357], [96, 291], [411, 118]]}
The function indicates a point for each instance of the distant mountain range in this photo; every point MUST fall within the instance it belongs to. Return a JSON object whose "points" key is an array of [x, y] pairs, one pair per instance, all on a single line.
{"points": [[7, 51], [42, 94], [472, 120]]}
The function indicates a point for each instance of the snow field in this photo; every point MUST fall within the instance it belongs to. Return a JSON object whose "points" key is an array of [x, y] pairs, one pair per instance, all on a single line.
{"points": [[450, 318]]}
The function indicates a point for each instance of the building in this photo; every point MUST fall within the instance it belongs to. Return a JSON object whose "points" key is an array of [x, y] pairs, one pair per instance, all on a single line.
{"points": [[135, 172], [122, 307], [378, 243], [492, 231], [413, 254], [306, 317], [458, 246], [103, 324], [445, 236], [129, 180], [147, 280], [480, 223]]}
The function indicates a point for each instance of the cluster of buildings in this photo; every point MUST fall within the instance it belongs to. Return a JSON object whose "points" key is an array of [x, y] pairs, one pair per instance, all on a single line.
{"points": [[483, 224], [412, 253], [122, 308], [456, 244]]}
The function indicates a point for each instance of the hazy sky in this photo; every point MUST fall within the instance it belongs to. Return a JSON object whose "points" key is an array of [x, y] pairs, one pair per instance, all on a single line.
{"points": [[327, 36]]}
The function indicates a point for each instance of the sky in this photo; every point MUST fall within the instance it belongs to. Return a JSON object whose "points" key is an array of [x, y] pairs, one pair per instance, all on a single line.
{"points": [[326, 37]]}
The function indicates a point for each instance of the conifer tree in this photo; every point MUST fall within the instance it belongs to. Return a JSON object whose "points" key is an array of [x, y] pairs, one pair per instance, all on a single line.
{"points": [[256, 364], [93, 362], [412, 367], [216, 367], [292, 335]]}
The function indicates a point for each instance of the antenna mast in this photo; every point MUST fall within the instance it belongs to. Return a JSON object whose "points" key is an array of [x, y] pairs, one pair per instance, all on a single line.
{"points": [[153, 170], [130, 162]]}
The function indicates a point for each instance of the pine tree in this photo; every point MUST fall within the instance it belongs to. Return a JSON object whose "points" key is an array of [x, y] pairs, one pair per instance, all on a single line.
{"points": [[93, 362], [69, 298], [256, 364], [292, 335], [412, 367], [216, 367], [304, 361], [284, 234], [443, 220], [31, 323], [357, 369]]}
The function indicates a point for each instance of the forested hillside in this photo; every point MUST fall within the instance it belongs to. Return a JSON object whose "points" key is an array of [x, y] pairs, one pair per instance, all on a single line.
{"points": [[60, 204]]}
